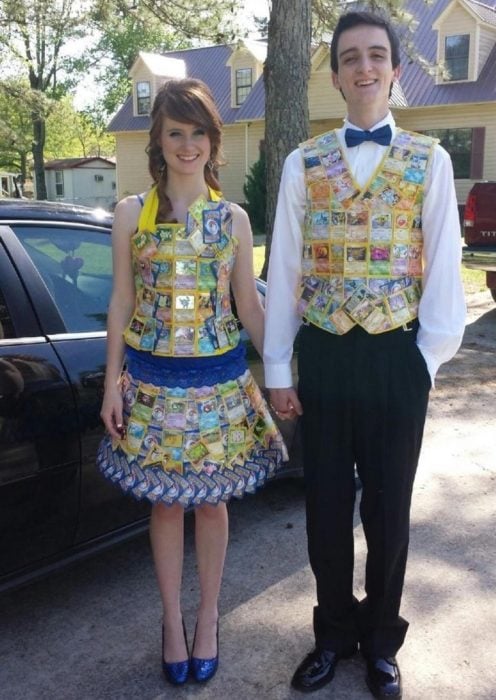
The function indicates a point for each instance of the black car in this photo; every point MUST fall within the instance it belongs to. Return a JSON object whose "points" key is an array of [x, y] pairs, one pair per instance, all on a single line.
{"points": [[55, 284]]}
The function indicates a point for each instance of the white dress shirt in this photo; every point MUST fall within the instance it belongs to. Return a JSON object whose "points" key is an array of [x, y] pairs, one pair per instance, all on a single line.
{"points": [[442, 306]]}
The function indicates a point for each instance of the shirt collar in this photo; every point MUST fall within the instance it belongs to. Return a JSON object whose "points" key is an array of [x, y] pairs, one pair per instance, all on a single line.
{"points": [[388, 119]]}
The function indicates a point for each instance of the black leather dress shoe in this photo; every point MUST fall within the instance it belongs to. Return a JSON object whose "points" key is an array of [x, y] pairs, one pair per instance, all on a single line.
{"points": [[383, 677], [317, 669]]}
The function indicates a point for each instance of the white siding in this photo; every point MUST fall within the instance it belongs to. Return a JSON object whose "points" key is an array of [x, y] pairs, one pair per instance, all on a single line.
{"points": [[91, 185]]}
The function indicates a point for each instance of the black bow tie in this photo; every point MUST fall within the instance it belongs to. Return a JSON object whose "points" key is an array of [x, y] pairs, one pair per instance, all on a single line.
{"points": [[382, 135]]}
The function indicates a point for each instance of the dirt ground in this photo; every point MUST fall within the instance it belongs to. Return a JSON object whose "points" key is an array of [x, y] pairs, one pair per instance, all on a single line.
{"points": [[92, 631], [466, 387]]}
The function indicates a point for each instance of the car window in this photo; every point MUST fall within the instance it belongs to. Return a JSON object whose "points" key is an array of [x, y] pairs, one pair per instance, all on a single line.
{"points": [[6, 325], [76, 266]]}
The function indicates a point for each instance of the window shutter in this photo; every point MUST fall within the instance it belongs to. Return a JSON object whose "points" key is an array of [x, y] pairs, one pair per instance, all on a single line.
{"points": [[477, 156]]}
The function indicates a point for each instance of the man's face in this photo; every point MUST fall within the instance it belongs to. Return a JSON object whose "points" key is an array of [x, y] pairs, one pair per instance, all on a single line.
{"points": [[365, 69]]}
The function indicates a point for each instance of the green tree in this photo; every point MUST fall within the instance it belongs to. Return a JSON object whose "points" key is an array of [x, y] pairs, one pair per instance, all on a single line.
{"points": [[33, 35], [74, 134], [15, 128], [255, 191], [208, 21], [38, 40]]}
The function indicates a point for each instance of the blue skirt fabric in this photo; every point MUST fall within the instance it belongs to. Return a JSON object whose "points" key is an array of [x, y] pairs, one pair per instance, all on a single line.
{"points": [[196, 431]]}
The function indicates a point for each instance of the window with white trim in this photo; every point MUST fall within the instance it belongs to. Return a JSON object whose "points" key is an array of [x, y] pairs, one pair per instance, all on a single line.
{"points": [[456, 50], [59, 183], [243, 84], [143, 97]]}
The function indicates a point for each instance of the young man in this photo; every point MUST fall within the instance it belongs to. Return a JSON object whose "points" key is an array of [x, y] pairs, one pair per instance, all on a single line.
{"points": [[366, 253]]}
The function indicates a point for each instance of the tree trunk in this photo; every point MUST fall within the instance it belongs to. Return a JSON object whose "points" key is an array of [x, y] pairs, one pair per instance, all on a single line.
{"points": [[38, 157], [286, 76]]}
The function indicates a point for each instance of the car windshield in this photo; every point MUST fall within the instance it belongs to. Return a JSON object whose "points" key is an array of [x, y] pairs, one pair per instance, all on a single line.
{"points": [[76, 266]]}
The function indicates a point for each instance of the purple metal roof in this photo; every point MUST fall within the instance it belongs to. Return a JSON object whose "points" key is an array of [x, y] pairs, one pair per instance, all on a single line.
{"points": [[419, 89]]}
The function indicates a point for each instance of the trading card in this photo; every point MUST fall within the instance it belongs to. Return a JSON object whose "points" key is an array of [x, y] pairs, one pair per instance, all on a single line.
{"points": [[208, 417], [206, 275], [185, 273], [232, 330], [135, 434], [184, 337], [196, 241], [145, 400], [149, 335], [211, 226], [196, 453]]}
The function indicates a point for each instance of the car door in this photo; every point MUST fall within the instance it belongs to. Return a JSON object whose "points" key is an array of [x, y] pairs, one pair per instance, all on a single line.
{"points": [[75, 262], [39, 434]]}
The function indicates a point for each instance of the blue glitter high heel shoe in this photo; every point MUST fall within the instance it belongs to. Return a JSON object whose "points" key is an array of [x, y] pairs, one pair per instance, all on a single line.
{"points": [[175, 673], [205, 669]]}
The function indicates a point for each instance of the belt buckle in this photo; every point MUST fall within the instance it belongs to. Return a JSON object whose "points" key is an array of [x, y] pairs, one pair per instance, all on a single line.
{"points": [[406, 328]]}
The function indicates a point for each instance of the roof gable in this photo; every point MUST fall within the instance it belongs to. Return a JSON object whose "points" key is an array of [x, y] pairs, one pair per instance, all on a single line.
{"points": [[481, 12], [71, 163], [258, 49], [158, 65]]}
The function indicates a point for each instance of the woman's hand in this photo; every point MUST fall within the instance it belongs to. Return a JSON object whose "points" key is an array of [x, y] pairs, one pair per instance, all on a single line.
{"points": [[111, 413], [285, 403]]}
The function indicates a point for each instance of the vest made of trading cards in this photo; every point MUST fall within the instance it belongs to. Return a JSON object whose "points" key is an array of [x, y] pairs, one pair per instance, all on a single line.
{"points": [[362, 247], [182, 277]]}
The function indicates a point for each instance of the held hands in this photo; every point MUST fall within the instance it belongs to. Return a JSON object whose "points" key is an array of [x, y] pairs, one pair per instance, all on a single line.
{"points": [[285, 403], [111, 413]]}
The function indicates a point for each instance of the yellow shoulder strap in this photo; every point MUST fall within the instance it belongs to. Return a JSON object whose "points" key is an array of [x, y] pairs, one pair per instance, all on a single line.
{"points": [[148, 215]]}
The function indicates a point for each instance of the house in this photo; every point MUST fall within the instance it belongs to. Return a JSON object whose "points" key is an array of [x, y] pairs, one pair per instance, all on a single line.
{"points": [[88, 181], [10, 184], [450, 93]]}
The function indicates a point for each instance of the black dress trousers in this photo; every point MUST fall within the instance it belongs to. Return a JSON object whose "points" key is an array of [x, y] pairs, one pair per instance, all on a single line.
{"points": [[364, 399]]}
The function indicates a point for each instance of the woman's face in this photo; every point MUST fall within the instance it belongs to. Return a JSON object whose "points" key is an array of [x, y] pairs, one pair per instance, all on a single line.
{"points": [[185, 147]]}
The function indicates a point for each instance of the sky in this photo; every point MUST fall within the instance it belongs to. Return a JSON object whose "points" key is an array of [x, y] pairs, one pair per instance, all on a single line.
{"points": [[257, 8]]}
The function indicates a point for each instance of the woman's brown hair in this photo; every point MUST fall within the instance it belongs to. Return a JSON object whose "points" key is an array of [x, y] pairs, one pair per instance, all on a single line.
{"points": [[188, 101]]}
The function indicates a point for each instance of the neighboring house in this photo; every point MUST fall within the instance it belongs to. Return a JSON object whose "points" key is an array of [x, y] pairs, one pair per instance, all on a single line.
{"points": [[455, 100], [88, 181], [9, 186]]}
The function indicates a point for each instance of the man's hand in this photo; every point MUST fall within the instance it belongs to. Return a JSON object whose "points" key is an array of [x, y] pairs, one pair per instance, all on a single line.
{"points": [[285, 403]]}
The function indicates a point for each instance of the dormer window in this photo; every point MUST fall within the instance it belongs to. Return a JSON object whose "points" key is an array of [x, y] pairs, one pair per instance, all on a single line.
{"points": [[143, 97], [243, 84], [456, 51]]}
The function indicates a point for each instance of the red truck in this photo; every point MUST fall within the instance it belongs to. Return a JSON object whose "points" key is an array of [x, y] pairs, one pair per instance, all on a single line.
{"points": [[479, 231]]}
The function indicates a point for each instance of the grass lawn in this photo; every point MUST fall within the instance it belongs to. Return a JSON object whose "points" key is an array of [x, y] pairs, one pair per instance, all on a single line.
{"points": [[473, 280]]}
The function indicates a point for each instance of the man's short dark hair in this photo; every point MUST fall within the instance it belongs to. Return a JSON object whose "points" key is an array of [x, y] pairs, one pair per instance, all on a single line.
{"points": [[354, 19]]}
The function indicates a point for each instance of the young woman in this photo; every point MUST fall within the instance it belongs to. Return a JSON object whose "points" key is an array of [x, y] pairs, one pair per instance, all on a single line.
{"points": [[187, 425]]}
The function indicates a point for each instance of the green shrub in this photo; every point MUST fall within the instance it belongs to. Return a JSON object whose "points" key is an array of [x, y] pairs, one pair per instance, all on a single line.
{"points": [[255, 191]]}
